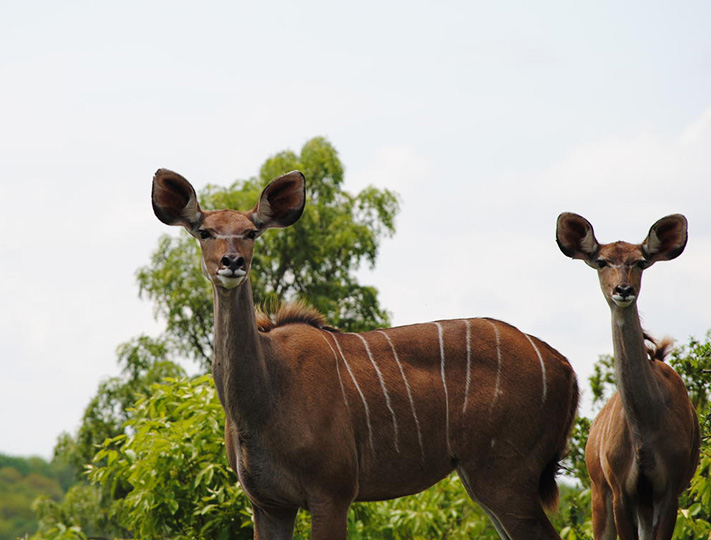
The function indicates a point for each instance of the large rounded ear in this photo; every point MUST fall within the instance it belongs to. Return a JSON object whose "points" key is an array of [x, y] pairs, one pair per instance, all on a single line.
{"points": [[282, 202], [576, 238], [174, 200], [666, 239]]}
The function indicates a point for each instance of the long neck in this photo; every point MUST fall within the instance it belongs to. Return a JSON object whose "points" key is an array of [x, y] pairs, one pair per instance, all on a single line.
{"points": [[641, 393], [239, 368]]}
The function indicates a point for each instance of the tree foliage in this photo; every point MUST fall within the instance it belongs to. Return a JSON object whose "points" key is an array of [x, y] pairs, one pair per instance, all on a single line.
{"points": [[171, 464], [142, 360]]}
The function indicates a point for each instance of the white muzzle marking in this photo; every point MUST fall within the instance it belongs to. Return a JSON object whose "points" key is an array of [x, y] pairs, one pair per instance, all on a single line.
{"points": [[231, 278], [623, 301]]}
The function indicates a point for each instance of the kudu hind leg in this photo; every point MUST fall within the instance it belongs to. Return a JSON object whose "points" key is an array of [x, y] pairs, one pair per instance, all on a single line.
{"points": [[515, 514], [625, 518], [665, 513], [603, 519], [494, 520]]}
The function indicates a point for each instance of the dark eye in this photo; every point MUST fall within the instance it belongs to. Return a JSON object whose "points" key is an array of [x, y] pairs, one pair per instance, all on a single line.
{"points": [[204, 234], [642, 264], [251, 234], [601, 263]]}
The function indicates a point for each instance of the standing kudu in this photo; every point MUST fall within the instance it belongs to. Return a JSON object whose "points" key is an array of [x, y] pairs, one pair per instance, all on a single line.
{"points": [[643, 447], [317, 419]]}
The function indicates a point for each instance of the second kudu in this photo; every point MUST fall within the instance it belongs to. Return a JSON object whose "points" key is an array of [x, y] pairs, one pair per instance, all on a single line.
{"points": [[317, 418], [643, 447]]}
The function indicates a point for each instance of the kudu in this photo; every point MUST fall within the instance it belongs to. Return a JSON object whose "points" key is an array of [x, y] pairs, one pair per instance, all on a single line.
{"points": [[643, 447], [318, 419]]}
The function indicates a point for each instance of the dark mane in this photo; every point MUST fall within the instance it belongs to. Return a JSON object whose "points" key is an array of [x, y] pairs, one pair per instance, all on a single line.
{"points": [[291, 313], [657, 349]]}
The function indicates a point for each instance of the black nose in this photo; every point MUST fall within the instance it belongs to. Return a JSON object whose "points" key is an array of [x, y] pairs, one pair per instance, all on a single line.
{"points": [[624, 291], [232, 261]]}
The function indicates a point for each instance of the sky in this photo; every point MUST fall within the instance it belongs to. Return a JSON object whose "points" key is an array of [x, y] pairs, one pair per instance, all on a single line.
{"points": [[488, 119]]}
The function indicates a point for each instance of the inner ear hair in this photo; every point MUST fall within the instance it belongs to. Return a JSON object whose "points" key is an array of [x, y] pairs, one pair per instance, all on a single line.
{"points": [[666, 239], [575, 237], [174, 200]]}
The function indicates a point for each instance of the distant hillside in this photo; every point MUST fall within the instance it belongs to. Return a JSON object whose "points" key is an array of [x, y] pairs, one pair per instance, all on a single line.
{"points": [[22, 480]]}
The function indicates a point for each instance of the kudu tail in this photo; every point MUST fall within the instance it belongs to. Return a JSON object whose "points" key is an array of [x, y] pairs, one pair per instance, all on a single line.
{"points": [[547, 486]]}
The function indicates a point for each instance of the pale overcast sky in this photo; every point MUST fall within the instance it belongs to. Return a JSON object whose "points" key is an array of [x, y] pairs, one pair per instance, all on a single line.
{"points": [[489, 119]]}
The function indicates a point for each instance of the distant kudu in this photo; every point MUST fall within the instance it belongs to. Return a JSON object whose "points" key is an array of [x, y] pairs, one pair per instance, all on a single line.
{"points": [[317, 419], [643, 447]]}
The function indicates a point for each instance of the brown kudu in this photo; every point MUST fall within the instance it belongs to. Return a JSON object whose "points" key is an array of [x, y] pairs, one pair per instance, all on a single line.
{"points": [[318, 419], [643, 447]]}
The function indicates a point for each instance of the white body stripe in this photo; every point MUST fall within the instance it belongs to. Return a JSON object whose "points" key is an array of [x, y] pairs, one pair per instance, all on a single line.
{"points": [[469, 364], [497, 388], [360, 392], [543, 366], [409, 394], [338, 371], [444, 383], [384, 388]]}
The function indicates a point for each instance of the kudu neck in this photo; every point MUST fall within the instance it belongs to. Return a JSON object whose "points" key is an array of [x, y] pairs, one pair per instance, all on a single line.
{"points": [[239, 368], [639, 389]]}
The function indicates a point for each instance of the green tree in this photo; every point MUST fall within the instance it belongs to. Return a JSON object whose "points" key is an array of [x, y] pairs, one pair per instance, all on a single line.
{"points": [[693, 363], [173, 461], [143, 362]]}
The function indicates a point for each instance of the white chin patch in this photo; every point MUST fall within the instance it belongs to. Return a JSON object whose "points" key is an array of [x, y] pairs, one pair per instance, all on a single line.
{"points": [[623, 301], [230, 283], [230, 280]]}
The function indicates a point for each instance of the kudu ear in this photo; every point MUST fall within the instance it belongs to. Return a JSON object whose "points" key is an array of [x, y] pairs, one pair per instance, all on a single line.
{"points": [[666, 239], [576, 238], [174, 200], [282, 202]]}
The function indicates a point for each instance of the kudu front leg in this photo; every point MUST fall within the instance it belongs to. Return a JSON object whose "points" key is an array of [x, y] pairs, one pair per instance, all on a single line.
{"points": [[329, 520], [273, 524]]}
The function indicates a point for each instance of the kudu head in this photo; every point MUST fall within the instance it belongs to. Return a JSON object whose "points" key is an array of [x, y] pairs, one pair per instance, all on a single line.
{"points": [[227, 236], [620, 265]]}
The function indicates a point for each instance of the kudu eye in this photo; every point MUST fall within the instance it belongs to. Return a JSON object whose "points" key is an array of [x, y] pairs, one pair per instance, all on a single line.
{"points": [[251, 234], [601, 263], [204, 234]]}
